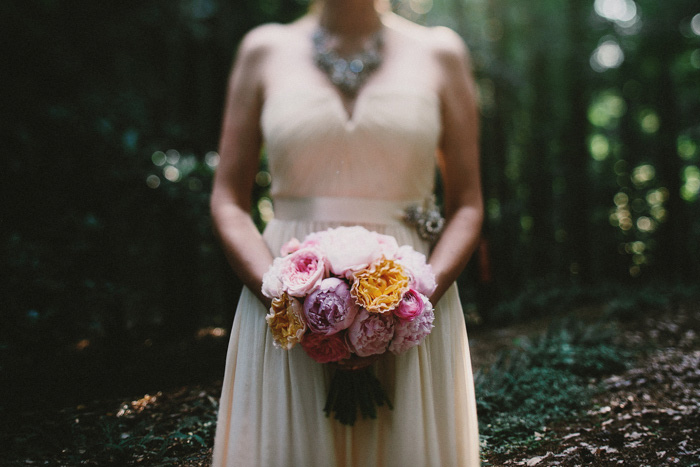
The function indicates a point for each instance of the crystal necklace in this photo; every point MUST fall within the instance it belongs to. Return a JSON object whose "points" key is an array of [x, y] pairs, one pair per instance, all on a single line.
{"points": [[347, 73]]}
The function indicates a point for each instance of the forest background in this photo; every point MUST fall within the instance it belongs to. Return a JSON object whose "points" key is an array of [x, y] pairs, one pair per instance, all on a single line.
{"points": [[111, 114]]}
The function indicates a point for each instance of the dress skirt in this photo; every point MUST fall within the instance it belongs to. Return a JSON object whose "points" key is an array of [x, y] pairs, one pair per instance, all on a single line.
{"points": [[271, 408]]}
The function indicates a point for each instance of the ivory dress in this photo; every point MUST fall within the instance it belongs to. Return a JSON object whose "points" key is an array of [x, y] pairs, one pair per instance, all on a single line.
{"points": [[329, 169]]}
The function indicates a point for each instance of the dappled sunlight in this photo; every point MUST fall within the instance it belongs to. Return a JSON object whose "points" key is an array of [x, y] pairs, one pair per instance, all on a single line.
{"points": [[137, 406]]}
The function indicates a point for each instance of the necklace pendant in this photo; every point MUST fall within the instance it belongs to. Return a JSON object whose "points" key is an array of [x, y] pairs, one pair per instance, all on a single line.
{"points": [[347, 73]]}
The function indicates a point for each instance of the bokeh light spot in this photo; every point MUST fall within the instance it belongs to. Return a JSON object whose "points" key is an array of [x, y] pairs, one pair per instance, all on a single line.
{"points": [[212, 159], [645, 224], [263, 178], [695, 24], [622, 11], [638, 247], [695, 59], [621, 199], [608, 55], [639, 205], [620, 167], [158, 158], [643, 174], [265, 209], [493, 208], [649, 121], [606, 109], [686, 147], [172, 156], [153, 181], [599, 147], [171, 173], [691, 187], [421, 7]]}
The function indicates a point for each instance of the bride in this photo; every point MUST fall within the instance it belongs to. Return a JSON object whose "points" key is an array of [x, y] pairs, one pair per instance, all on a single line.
{"points": [[356, 107]]}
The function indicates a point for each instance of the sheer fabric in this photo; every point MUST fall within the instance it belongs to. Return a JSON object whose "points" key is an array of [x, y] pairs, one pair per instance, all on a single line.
{"points": [[330, 169]]}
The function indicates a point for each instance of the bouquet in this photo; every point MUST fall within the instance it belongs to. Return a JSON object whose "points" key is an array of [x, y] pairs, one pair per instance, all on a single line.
{"points": [[348, 295]]}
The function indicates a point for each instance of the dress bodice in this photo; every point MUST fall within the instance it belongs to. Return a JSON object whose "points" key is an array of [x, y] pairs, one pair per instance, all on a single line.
{"points": [[385, 150]]}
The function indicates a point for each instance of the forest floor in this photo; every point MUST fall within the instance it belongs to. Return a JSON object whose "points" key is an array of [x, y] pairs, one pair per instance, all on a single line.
{"points": [[647, 415]]}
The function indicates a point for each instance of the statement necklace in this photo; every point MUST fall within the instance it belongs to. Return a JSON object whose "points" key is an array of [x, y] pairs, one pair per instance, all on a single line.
{"points": [[347, 73]]}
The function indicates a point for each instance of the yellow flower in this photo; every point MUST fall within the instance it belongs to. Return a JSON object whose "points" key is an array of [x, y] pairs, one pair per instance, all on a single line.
{"points": [[286, 321], [379, 288]]}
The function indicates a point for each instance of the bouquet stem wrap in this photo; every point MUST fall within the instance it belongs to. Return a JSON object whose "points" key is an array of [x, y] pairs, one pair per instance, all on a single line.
{"points": [[351, 390]]}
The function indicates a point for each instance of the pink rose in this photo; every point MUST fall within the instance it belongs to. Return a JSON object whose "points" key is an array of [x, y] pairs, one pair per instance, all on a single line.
{"points": [[349, 249], [302, 271], [370, 333], [324, 348], [330, 308], [410, 306], [422, 277], [408, 334]]}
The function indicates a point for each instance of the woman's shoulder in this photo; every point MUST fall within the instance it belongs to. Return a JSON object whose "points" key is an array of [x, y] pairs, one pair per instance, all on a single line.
{"points": [[441, 42], [266, 38]]}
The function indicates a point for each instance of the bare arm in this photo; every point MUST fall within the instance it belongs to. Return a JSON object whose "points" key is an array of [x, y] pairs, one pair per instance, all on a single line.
{"points": [[239, 148], [459, 165]]}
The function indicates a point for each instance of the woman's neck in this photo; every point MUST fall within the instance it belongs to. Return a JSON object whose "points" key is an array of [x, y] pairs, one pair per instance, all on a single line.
{"points": [[349, 18]]}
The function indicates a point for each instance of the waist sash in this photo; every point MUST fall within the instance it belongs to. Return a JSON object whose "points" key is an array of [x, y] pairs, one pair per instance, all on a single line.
{"points": [[343, 210]]}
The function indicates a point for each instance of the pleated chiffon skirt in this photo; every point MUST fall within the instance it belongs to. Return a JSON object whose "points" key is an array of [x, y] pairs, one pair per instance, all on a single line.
{"points": [[271, 408]]}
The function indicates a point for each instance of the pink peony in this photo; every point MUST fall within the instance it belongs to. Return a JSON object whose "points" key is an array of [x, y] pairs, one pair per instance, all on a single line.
{"points": [[410, 306], [422, 277], [387, 245], [324, 349], [408, 334], [330, 308], [349, 249], [370, 333], [290, 247], [313, 239], [302, 271], [272, 279]]}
